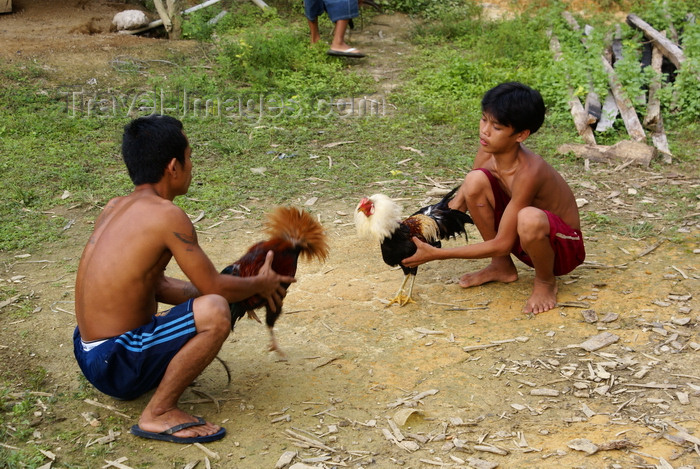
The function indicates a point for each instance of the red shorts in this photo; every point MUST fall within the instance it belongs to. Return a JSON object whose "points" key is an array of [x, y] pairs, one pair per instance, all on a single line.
{"points": [[567, 243]]}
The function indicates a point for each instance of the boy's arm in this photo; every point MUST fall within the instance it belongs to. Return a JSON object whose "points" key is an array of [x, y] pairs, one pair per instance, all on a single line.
{"points": [[523, 193], [180, 237], [174, 291]]}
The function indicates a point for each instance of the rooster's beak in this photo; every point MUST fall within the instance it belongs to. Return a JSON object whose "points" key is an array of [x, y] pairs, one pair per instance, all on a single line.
{"points": [[365, 206]]}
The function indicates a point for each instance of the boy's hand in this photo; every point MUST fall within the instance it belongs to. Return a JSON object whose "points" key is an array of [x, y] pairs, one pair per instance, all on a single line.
{"points": [[421, 256], [273, 290]]}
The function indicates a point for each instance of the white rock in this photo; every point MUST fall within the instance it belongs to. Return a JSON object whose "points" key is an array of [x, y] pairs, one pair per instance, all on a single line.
{"points": [[130, 19]]}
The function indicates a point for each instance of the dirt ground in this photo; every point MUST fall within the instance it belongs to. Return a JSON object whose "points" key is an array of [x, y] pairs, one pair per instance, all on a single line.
{"points": [[461, 378]]}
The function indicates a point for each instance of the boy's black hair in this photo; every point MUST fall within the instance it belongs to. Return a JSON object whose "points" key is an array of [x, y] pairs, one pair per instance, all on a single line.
{"points": [[515, 105], [149, 144]]}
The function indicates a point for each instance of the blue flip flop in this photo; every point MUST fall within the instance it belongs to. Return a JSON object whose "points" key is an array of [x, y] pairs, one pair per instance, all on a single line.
{"points": [[167, 435]]}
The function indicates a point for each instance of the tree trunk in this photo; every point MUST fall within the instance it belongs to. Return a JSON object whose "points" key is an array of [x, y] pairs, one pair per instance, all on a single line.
{"points": [[170, 14]]}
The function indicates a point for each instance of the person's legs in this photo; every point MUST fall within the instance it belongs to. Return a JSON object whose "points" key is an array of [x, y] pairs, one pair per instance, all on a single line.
{"points": [[340, 13], [533, 230], [338, 42], [315, 33], [312, 10], [213, 323], [477, 195]]}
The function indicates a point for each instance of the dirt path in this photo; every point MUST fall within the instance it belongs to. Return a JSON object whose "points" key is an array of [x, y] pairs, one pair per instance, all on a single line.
{"points": [[474, 378]]}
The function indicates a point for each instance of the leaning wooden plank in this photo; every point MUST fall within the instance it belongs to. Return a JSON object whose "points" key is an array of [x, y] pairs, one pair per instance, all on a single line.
{"points": [[260, 3], [577, 112], [581, 120], [654, 104], [592, 107], [608, 114], [653, 119], [669, 49], [592, 104], [658, 138], [5, 6], [629, 115], [616, 46]]}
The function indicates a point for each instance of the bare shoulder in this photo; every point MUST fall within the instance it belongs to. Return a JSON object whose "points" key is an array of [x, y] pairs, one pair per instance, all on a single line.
{"points": [[537, 168]]}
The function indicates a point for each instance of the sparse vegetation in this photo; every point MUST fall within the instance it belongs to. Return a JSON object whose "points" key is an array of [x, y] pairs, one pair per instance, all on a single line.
{"points": [[275, 83], [271, 126]]}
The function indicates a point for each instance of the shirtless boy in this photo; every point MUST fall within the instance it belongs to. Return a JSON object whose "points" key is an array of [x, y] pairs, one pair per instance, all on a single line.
{"points": [[519, 203], [124, 346]]}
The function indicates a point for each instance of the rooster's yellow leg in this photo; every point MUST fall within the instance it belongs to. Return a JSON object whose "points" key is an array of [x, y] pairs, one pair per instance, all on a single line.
{"points": [[401, 297], [409, 298]]}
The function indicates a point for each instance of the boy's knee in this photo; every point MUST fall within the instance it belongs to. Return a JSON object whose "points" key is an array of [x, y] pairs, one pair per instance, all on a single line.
{"points": [[532, 223], [214, 311], [475, 183]]}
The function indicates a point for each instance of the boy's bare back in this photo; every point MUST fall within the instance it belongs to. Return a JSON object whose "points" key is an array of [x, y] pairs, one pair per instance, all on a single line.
{"points": [[129, 233]]}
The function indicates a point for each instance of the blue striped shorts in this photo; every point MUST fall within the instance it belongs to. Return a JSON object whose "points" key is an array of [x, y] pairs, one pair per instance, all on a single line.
{"points": [[131, 364]]}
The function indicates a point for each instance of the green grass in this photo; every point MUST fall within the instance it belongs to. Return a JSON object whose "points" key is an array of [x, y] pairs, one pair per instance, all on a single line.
{"points": [[50, 149]]}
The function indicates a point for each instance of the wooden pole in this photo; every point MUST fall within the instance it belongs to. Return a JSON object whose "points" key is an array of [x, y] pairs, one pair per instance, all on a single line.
{"points": [[669, 49], [629, 115], [653, 119], [578, 113]]}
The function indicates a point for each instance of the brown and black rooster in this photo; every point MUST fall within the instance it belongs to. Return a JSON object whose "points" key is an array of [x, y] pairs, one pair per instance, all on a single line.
{"points": [[379, 217], [292, 233]]}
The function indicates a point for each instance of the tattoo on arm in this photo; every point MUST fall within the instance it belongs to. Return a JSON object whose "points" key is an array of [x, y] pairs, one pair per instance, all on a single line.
{"points": [[190, 239], [190, 291]]}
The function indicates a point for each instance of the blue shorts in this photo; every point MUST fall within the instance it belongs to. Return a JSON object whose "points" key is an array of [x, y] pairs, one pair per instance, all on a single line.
{"points": [[336, 9], [129, 365]]}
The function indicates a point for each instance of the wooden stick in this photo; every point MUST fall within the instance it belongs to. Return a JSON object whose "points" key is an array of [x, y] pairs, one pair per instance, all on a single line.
{"points": [[653, 120], [669, 49], [105, 406], [577, 111], [624, 104]]}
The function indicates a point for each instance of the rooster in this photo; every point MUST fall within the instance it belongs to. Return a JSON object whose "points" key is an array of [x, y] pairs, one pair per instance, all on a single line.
{"points": [[292, 233], [380, 217]]}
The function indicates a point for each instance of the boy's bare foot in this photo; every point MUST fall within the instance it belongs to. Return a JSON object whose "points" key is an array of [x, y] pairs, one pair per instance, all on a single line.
{"points": [[504, 272], [173, 417], [543, 298]]}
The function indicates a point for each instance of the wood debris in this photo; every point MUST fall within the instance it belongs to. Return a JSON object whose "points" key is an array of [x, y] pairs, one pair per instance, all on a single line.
{"points": [[105, 406], [477, 463], [286, 458], [599, 341], [9, 301], [117, 463], [207, 451], [494, 343], [623, 151], [109, 438]]}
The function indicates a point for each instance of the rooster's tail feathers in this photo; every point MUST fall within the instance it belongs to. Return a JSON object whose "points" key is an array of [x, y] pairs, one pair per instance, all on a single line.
{"points": [[299, 228]]}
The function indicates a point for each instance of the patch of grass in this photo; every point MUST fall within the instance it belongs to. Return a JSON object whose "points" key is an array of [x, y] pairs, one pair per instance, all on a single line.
{"points": [[595, 221], [640, 230], [261, 92]]}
